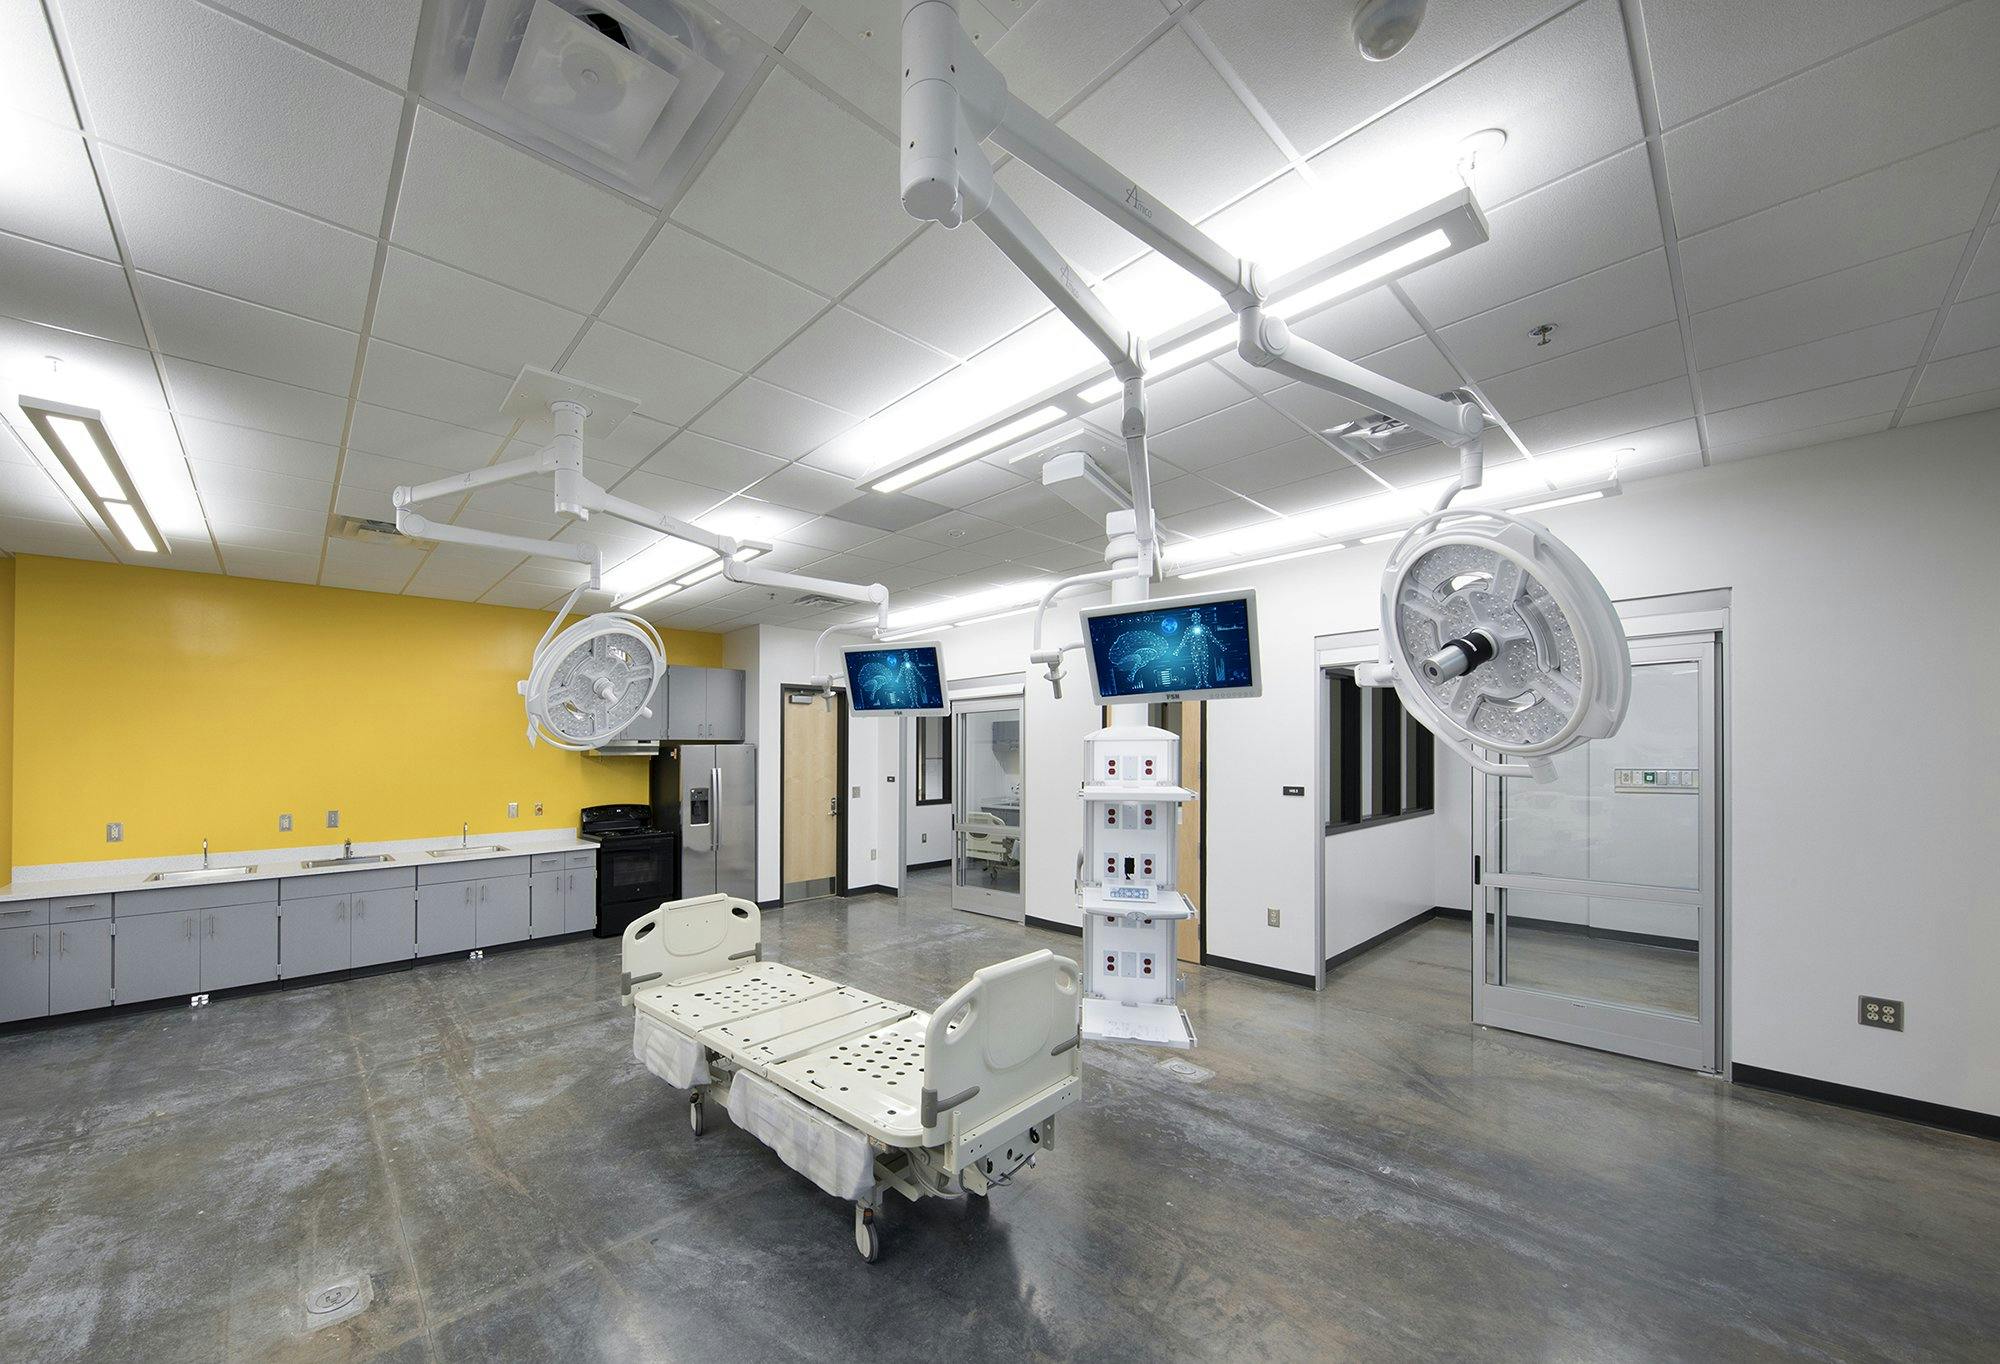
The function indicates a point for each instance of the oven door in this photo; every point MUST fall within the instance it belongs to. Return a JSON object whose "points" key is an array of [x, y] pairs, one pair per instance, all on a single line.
{"points": [[636, 869]]}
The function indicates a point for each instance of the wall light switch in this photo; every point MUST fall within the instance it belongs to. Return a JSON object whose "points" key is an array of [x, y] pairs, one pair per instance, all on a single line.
{"points": [[513, 809], [284, 824], [333, 819], [114, 833], [855, 794], [1271, 917]]}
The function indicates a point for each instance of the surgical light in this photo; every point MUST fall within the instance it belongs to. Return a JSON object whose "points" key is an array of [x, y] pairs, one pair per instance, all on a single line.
{"points": [[587, 684]]}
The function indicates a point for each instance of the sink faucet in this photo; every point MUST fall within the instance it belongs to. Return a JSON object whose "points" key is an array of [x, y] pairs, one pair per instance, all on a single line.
{"points": [[465, 834], [204, 854], [346, 848]]}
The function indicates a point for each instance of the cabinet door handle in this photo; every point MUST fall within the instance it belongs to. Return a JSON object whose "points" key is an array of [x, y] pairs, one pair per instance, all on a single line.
{"points": [[189, 935], [62, 942], [35, 948], [211, 925], [360, 909], [340, 911]]}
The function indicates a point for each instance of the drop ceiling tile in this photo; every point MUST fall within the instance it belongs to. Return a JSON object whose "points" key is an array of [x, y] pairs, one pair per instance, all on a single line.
{"points": [[1251, 475], [1817, 364], [804, 489], [1249, 376], [802, 186], [1837, 402], [749, 518], [28, 491], [757, 416], [190, 86], [1187, 494], [830, 534], [529, 595], [1019, 505], [58, 539], [419, 440], [375, 35], [1839, 119], [228, 509], [1862, 295], [1638, 410], [274, 541], [1175, 400], [711, 463], [1601, 306], [1970, 326], [952, 289], [1984, 400], [848, 72], [669, 495], [1233, 513], [57, 200], [462, 317], [955, 528], [202, 233], [476, 202], [31, 75], [215, 329], [629, 446], [1092, 243], [237, 482], [848, 362], [1161, 103], [1359, 326], [1984, 277], [1922, 199], [671, 385], [1316, 407], [1055, 50], [219, 443], [768, 19], [1302, 62], [1798, 438], [965, 485], [896, 549], [697, 297], [371, 558], [947, 563], [271, 565], [1636, 361], [873, 25], [1340, 483], [1409, 157], [429, 386], [374, 503], [59, 288], [245, 400], [1209, 444], [1961, 374]]}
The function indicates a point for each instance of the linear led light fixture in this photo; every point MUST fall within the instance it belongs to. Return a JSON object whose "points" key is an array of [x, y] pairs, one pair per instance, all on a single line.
{"points": [[646, 596], [1305, 553], [1440, 229], [79, 442], [932, 463]]}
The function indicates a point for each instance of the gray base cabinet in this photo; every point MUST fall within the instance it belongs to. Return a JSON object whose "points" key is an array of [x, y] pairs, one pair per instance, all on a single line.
{"points": [[80, 970], [382, 927], [158, 956], [562, 893], [580, 891], [312, 939], [24, 972], [239, 946], [545, 900], [445, 918], [500, 911]]}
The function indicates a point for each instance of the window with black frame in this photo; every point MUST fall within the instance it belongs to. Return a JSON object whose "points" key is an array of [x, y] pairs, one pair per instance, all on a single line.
{"points": [[1381, 761], [933, 759]]}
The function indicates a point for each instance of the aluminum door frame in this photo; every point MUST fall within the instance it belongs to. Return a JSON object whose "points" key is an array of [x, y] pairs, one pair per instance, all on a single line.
{"points": [[976, 899], [1650, 1034]]}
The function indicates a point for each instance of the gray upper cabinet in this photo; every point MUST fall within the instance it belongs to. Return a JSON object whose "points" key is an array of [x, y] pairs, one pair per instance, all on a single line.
{"points": [[704, 704]]}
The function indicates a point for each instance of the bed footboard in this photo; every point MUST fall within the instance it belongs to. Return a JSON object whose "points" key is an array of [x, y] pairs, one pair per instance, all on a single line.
{"points": [[684, 938], [1004, 1047]]}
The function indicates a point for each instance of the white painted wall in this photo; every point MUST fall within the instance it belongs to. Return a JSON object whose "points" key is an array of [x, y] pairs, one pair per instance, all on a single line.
{"points": [[1863, 748], [1378, 876], [929, 825]]}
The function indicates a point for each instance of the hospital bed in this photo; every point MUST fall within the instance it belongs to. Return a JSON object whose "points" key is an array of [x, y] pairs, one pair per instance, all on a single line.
{"points": [[858, 1093]]}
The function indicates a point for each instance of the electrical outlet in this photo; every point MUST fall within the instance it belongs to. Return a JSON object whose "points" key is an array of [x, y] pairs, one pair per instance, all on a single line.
{"points": [[114, 833], [871, 854], [923, 838], [284, 824], [1881, 1013], [1271, 917], [333, 819], [854, 793], [538, 807], [513, 809]]}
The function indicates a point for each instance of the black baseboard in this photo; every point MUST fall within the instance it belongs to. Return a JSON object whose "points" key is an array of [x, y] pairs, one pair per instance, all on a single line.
{"points": [[930, 866], [1251, 968], [1966, 1120], [770, 904], [1366, 945], [1444, 912], [853, 891], [1054, 926]]}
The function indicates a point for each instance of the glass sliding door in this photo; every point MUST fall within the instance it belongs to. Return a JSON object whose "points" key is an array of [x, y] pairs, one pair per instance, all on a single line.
{"points": [[1598, 892], [987, 807]]}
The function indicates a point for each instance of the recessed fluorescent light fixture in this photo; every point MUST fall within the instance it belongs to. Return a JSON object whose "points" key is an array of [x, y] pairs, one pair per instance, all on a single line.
{"points": [[645, 596], [87, 459], [900, 476], [648, 597], [1561, 501], [1259, 563]]}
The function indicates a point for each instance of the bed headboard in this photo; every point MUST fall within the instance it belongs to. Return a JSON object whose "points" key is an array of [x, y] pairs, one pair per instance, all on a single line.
{"points": [[1007, 1035], [684, 938]]}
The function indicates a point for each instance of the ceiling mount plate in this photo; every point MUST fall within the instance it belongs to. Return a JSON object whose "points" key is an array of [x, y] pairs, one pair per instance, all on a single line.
{"points": [[528, 400]]}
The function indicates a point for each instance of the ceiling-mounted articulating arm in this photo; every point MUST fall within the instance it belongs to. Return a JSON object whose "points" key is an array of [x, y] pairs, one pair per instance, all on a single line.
{"points": [[1051, 659]]}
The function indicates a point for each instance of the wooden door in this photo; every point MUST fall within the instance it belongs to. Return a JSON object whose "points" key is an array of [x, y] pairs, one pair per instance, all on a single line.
{"points": [[1188, 868], [812, 795]]}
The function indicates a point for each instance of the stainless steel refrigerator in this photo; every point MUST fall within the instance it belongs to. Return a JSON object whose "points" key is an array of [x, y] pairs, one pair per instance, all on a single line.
{"points": [[717, 794]]}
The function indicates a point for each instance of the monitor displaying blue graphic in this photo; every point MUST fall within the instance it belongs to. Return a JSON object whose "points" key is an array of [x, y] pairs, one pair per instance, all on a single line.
{"points": [[905, 679], [1179, 648]]}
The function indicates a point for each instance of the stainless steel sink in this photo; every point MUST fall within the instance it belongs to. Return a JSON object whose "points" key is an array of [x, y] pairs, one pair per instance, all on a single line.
{"points": [[475, 850], [197, 874], [351, 860]]}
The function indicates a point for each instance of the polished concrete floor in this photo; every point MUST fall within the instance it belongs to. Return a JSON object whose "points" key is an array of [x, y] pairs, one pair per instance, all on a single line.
{"points": [[1363, 1175]]}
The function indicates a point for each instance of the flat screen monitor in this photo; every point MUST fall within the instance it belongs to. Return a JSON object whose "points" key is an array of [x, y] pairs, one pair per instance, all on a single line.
{"points": [[1201, 647], [896, 679]]}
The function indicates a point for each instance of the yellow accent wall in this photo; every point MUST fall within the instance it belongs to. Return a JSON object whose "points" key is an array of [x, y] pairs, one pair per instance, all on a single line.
{"points": [[191, 706], [6, 718]]}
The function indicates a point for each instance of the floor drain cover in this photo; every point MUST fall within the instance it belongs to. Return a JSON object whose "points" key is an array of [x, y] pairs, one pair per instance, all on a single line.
{"points": [[338, 1301], [1187, 1070]]}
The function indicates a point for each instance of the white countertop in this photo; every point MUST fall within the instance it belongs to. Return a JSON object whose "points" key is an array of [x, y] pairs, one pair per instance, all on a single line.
{"points": [[109, 878]]}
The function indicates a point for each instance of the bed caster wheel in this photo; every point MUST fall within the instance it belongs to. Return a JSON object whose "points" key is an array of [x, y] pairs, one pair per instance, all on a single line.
{"points": [[867, 1235], [694, 1113]]}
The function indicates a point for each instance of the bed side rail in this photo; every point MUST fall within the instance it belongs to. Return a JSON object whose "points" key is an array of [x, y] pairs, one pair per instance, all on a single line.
{"points": [[684, 938], [1009, 1034]]}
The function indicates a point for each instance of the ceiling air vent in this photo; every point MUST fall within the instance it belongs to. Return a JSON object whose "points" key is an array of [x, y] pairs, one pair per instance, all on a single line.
{"points": [[627, 93], [817, 600], [1374, 436], [366, 529]]}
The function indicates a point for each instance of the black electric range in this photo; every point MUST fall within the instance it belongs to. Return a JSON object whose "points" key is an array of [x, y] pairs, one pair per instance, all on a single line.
{"points": [[638, 863]]}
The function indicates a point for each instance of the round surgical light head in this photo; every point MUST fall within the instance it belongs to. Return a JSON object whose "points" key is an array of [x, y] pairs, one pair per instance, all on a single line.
{"points": [[1501, 640], [1382, 28], [589, 683]]}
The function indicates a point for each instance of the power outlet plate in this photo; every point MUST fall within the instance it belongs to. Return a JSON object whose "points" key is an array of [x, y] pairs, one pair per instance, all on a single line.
{"points": [[538, 807], [513, 809], [1880, 1013], [1271, 918], [333, 819], [284, 824], [114, 833]]}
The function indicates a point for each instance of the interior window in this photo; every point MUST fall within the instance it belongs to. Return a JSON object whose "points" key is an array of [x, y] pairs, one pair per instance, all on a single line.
{"points": [[1380, 761], [933, 760]]}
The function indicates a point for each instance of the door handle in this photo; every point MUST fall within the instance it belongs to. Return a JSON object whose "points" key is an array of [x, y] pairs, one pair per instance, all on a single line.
{"points": [[833, 805]]}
